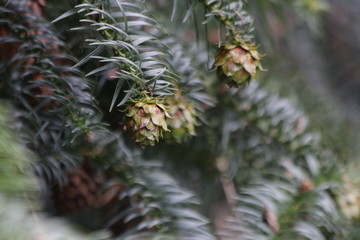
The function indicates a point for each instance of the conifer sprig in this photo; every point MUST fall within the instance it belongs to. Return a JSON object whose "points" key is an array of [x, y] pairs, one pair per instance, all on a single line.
{"points": [[238, 60], [19, 190], [266, 125], [156, 203], [133, 36], [53, 101], [232, 15]]}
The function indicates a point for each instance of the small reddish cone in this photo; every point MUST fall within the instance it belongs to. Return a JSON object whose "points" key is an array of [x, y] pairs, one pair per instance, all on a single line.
{"points": [[237, 64], [271, 220], [80, 191], [83, 190], [146, 120], [306, 185]]}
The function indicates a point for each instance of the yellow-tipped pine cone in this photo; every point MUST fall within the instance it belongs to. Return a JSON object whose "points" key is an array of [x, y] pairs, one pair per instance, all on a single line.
{"points": [[237, 64], [146, 120], [183, 119]]}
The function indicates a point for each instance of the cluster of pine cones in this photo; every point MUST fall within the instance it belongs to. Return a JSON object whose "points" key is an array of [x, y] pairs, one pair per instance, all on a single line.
{"points": [[150, 118]]}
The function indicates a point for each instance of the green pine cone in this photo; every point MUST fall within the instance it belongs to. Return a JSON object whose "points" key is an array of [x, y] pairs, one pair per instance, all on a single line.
{"points": [[237, 64], [183, 120], [146, 120]]}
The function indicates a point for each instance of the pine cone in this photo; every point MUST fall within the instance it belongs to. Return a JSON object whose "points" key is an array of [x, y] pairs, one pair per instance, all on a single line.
{"points": [[183, 121], [80, 191], [146, 120], [237, 64]]}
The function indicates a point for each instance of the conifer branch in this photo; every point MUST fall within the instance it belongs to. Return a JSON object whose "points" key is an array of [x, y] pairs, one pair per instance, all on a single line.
{"points": [[267, 125], [54, 103], [134, 37], [18, 192], [231, 14]]}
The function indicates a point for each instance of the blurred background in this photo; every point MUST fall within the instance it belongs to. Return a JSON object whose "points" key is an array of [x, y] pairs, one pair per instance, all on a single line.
{"points": [[319, 65]]}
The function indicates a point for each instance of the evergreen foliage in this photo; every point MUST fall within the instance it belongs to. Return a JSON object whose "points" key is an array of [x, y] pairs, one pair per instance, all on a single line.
{"points": [[116, 114]]}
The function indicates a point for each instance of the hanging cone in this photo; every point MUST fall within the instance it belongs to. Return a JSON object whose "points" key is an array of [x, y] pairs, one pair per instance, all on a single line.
{"points": [[146, 120], [183, 119], [237, 64]]}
